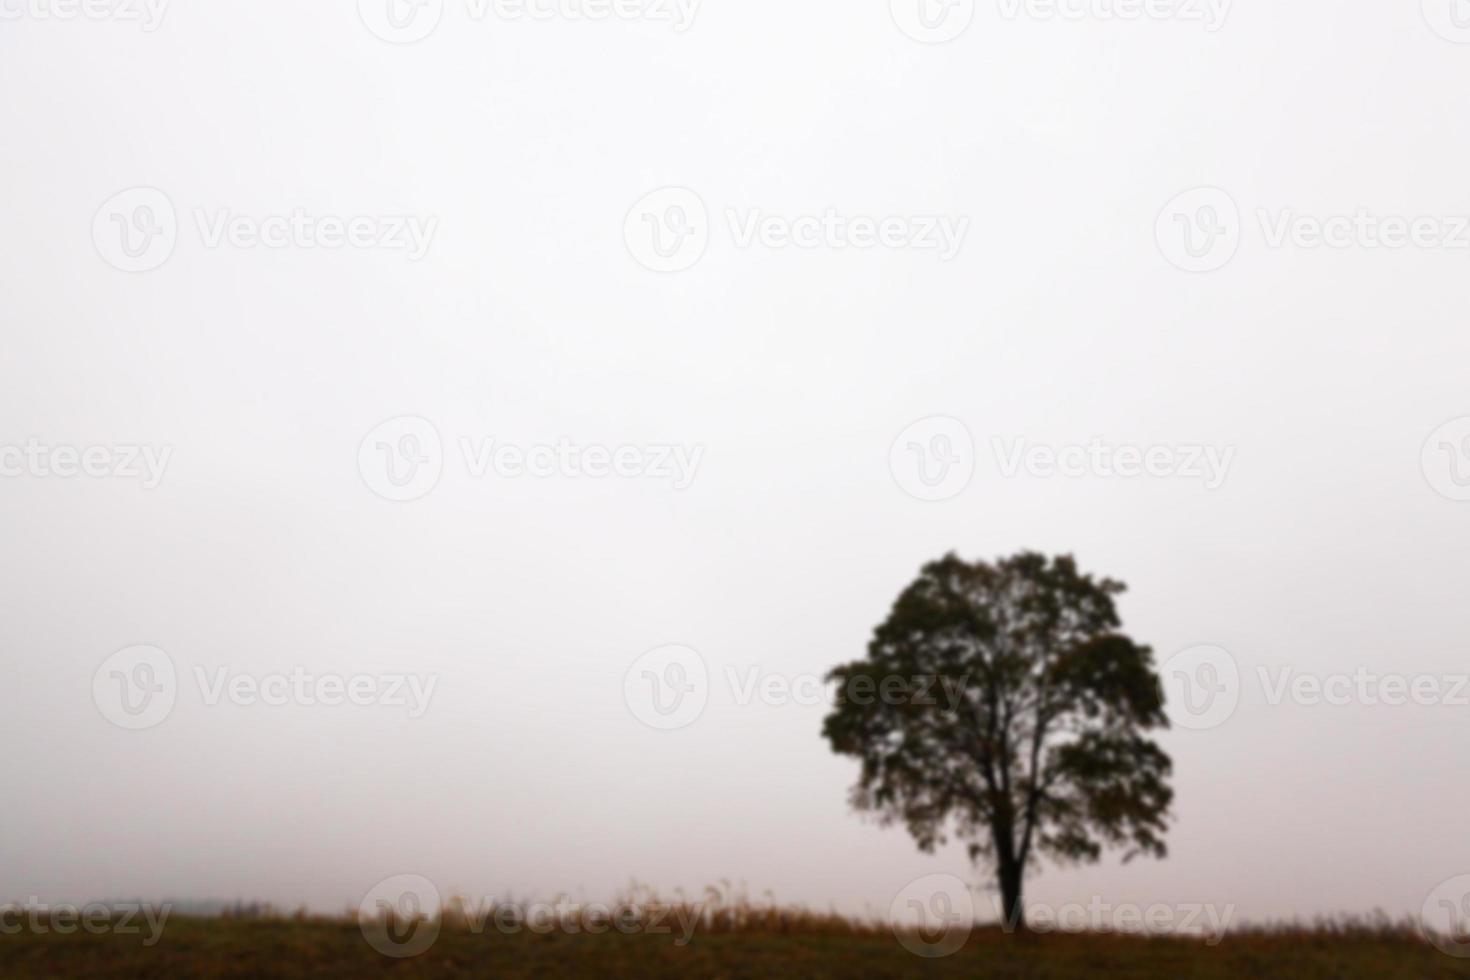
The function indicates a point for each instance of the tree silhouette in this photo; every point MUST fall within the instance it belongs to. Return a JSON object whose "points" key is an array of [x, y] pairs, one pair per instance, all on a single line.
{"points": [[1044, 751]]}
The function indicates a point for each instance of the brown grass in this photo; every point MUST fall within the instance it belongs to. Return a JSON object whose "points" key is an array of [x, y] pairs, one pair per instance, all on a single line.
{"points": [[735, 937]]}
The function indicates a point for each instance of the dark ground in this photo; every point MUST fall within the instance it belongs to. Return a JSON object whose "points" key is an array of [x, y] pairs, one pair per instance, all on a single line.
{"points": [[326, 948]]}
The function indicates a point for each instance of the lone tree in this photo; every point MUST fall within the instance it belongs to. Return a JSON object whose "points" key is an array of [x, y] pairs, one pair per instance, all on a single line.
{"points": [[1043, 751]]}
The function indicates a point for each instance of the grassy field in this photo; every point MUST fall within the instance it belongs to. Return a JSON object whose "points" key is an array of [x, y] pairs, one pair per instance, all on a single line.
{"points": [[336, 948]]}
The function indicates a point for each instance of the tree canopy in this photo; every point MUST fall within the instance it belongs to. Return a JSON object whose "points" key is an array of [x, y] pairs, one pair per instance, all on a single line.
{"points": [[1045, 753]]}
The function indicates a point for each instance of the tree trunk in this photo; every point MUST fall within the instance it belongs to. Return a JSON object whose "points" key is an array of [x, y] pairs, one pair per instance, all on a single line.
{"points": [[1010, 897]]}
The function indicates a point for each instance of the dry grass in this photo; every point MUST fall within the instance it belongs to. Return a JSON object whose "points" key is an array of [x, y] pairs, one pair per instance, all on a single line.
{"points": [[733, 937]]}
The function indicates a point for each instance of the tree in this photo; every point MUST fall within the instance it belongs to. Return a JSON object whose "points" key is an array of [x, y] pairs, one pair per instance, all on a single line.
{"points": [[1042, 753]]}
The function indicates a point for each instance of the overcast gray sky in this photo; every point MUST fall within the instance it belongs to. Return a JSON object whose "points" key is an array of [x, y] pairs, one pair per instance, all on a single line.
{"points": [[1032, 259]]}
